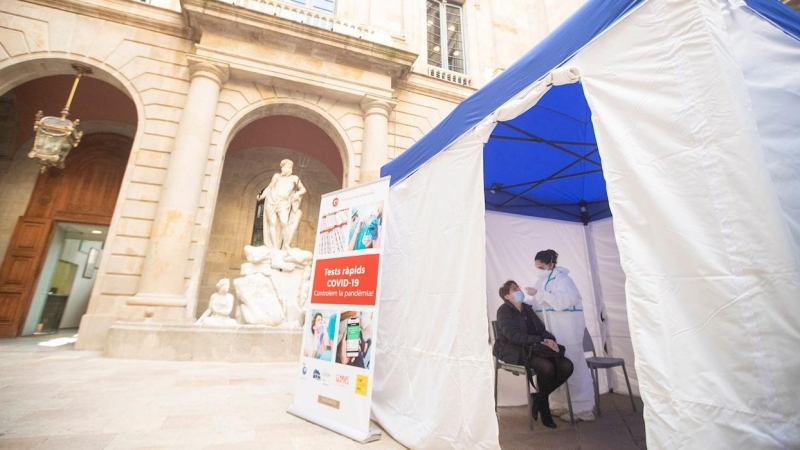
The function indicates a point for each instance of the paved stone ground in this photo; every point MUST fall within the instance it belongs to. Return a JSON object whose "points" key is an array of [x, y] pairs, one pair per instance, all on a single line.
{"points": [[60, 398], [618, 428]]}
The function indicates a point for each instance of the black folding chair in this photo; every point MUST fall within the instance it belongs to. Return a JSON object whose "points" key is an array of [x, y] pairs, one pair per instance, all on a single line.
{"points": [[517, 370]]}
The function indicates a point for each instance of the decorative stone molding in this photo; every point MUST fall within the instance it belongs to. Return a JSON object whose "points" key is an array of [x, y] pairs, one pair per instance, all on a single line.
{"points": [[419, 83], [371, 106], [135, 13], [316, 19], [335, 40], [217, 72]]}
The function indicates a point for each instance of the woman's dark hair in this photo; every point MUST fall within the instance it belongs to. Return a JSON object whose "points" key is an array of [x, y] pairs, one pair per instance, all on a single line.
{"points": [[506, 288], [547, 257], [315, 319]]}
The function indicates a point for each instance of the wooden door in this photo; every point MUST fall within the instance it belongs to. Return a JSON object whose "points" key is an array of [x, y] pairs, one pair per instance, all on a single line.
{"points": [[85, 191], [20, 270]]}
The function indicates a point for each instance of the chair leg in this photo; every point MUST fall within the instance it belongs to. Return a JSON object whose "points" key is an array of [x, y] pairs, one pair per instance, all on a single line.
{"points": [[495, 386], [596, 382], [569, 404], [528, 379], [630, 392]]}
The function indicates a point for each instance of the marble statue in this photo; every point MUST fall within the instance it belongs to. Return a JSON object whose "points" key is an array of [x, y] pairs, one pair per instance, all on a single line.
{"points": [[219, 307], [282, 207], [270, 291], [258, 300], [275, 281]]}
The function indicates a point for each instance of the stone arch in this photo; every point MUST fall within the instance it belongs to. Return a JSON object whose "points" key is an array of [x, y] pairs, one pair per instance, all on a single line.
{"points": [[21, 69], [303, 110], [298, 108], [18, 70]]}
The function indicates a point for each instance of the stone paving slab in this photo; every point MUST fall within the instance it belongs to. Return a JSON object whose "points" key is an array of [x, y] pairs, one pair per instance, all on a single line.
{"points": [[61, 398]]}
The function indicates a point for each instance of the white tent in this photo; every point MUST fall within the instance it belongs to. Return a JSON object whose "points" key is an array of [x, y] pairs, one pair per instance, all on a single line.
{"points": [[692, 106]]}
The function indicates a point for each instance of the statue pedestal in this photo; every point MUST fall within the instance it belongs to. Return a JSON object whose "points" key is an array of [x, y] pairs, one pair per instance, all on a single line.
{"points": [[187, 342], [273, 288], [271, 292]]}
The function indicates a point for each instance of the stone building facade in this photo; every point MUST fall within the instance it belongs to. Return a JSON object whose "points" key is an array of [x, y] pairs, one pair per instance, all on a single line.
{"points": [[198, 101]]}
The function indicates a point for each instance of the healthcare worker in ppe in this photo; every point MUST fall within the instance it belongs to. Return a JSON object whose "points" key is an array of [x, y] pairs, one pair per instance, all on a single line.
{"points": [[557, 300]]}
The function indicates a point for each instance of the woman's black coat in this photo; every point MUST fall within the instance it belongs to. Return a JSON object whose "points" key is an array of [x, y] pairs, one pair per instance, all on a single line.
{"points": [[516, 331]]}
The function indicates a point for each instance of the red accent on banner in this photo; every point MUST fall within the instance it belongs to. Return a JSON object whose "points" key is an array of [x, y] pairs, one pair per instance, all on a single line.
{"points": [[352, 280]]}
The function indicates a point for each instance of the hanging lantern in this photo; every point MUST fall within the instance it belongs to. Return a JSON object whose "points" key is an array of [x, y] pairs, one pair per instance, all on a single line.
{"points": [[56, 136]]}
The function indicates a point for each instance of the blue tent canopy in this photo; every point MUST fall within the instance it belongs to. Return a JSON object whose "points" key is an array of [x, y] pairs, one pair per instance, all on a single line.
{"points": [[545, 163]]}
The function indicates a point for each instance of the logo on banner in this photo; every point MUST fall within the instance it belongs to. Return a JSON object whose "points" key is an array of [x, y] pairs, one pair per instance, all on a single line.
{"points": [[342, 380], [305, 370], [317, 375], [335, 201], [362, 382]]}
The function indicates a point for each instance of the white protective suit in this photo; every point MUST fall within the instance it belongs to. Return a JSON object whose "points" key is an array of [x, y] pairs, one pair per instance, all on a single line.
{"points": [[558, 303]]}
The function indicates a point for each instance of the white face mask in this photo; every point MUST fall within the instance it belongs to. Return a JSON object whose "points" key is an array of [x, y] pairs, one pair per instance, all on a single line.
{"points": [[541, 273], [519, 296]]}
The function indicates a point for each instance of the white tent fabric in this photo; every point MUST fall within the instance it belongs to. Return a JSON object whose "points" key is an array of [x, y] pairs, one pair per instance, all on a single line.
{"points": [[770, 60], [706, 230], [434, 376], [436, 365], [611, 280], [712, 272]]}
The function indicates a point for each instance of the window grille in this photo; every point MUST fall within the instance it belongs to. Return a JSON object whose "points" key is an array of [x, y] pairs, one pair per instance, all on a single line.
{"points": [[445, 36]]}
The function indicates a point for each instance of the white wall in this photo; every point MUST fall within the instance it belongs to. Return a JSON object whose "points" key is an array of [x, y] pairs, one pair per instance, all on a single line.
{"points": [[40, 295], [76, 252]]}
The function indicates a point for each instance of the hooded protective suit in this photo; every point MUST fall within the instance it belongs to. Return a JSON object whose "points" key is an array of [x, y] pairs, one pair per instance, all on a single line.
{"points": [[559, 304]]}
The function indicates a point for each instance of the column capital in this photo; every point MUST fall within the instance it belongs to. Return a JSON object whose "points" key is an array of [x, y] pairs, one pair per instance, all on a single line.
{"points": [[217, 72], [373, 105]]}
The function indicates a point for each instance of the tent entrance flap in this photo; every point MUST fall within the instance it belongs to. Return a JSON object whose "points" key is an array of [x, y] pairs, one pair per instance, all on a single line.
{"points": [[545, 162]]}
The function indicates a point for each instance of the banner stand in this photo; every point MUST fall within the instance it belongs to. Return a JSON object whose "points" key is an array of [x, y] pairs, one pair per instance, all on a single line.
{"points": [[336, 370], [374, 434]]}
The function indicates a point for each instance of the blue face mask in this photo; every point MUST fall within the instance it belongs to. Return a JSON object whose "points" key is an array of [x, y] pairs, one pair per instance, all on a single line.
{"points": [[519, 296]]}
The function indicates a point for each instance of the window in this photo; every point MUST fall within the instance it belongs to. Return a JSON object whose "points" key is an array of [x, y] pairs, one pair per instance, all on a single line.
{"points": [[445, 50], [326, 6], [258, 225]]}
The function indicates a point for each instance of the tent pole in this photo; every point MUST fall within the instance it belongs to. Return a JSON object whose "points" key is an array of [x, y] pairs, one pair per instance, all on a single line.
{"points": [[598, 298]]}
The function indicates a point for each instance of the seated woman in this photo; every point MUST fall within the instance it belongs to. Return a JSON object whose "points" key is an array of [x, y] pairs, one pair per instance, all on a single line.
{"points": [[522, 339]]}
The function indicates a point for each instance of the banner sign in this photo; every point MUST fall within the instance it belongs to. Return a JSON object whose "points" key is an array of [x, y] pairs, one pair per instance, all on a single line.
{"points": [[334, 379]]}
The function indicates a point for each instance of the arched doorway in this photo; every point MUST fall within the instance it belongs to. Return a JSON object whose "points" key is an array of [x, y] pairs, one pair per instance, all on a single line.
{"points": [[41, 210], [252, 158]]}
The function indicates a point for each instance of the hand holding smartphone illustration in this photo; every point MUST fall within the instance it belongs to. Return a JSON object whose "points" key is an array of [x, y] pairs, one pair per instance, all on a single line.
{"points": [[353, 336]]}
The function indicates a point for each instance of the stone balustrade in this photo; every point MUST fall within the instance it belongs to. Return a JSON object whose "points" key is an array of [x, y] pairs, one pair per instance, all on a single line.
{"points": [[450, 76]]}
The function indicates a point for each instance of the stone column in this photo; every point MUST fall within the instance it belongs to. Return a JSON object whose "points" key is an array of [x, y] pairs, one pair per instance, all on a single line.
{"points": [[162, 285], [375, 146]]}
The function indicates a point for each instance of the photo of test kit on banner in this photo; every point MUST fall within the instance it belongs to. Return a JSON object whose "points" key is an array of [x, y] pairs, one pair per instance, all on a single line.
{"points": [[334, 383]]}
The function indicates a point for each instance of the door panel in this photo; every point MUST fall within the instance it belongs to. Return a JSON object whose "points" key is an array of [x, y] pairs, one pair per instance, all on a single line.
{"points": [[9, 302], [20, 270], [21, 267]]}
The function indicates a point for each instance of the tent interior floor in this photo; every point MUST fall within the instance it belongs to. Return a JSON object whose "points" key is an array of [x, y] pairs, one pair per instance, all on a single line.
{"points": [[618, 428]]}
